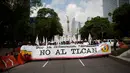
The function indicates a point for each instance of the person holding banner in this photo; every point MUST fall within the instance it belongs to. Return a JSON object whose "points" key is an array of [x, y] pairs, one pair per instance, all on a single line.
{"points": [[114, 45]]}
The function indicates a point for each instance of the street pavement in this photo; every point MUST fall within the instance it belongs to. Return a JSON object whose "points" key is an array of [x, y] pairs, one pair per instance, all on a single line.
{"points": [[88, 65]]}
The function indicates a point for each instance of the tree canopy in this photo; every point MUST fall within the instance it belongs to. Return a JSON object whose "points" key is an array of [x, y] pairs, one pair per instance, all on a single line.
{"points": [[14, 20], [121, 16], [47, 23], [99, 27]]}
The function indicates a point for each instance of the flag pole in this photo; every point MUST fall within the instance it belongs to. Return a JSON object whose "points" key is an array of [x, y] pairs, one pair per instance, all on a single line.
{"points": [[46, 42]]}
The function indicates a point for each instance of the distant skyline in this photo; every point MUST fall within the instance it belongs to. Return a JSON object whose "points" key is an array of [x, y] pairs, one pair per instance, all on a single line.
{"points": [[80, 9], [110, 5]]}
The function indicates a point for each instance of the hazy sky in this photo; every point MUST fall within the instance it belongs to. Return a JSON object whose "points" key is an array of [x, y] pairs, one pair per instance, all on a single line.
{"points": [[80, 9]]}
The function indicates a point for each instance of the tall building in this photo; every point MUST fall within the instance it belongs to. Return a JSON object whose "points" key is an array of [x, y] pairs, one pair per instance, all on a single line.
{"points": [[73, 27], [121, 2], [78, 27], [110, 5]]}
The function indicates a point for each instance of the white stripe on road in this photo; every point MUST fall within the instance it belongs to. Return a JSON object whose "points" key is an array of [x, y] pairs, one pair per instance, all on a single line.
{"points": [[45, 64], [81, 62]]}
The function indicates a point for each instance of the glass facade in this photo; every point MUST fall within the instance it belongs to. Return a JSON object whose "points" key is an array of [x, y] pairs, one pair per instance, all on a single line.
{"points": [[110, 5]]}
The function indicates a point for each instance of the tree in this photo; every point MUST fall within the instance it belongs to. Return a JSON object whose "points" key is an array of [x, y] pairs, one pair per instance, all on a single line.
{"points": [[5, 15], [14, 20], [121, 17], [99, 28], [84, 32], [47, 23], [111, 32], [109, 14]]}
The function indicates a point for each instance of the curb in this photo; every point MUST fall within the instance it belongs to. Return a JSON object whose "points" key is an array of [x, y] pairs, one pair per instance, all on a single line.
{"points": [[120, 60]]}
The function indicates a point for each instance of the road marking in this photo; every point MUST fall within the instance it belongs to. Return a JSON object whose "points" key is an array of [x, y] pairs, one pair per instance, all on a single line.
{"points": [[81, 62], [45, 64]]}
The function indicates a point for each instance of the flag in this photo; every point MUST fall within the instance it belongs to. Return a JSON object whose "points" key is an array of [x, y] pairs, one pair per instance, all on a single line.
{"points": [[79, 37], [43, 40], [37, 41], [52, 41], [46, 42], [89, 38]]}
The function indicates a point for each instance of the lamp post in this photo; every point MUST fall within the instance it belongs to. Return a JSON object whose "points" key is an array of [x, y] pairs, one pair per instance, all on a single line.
{"points": [[67, 23]]}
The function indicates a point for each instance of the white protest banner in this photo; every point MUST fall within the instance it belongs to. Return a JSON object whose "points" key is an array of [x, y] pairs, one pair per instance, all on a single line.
{"points": [[65, 51]]}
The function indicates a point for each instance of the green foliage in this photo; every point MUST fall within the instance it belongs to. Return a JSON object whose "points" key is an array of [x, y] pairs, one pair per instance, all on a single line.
{"points": [[99, 28], [48, 26], [14, 20], [21, 21], [121, 16], [109, 14]]}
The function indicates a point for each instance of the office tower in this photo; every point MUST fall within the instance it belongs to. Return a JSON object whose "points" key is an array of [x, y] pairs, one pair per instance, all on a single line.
{"points": [[121, 2], [73, 27], [110, 5], [78, 27]]}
